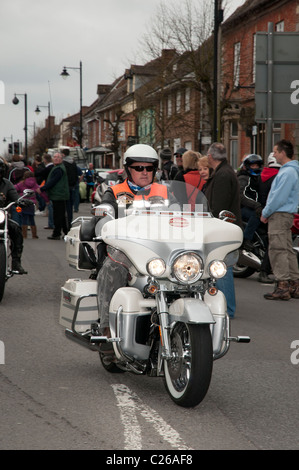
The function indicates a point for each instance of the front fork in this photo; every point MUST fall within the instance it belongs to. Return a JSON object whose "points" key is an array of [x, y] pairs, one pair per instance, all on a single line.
{"points": [[164, 328]]}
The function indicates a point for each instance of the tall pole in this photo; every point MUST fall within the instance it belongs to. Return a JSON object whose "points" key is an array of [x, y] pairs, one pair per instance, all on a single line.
{"points": [[65, 74], [218, 18], [16, 101]]}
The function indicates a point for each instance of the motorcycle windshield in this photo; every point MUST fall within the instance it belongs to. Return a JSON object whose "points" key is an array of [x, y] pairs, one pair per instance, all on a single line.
{"points": [[166, 220], [173, 196]]}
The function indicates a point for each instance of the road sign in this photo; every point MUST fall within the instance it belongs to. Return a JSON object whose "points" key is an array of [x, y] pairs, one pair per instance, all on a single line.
{"points": [[277, 76]]}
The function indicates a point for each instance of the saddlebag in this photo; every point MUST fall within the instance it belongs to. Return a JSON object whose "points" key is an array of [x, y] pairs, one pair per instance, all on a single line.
{"points": [[79, 297], [80, 248]]}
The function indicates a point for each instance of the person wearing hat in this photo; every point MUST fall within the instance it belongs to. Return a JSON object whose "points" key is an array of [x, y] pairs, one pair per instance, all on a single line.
{"points": [[178, 154], [169, 169]]}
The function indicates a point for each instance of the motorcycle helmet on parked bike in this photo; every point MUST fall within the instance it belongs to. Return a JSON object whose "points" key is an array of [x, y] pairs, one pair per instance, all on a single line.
{"points": [[140, 153], [252, 159]]}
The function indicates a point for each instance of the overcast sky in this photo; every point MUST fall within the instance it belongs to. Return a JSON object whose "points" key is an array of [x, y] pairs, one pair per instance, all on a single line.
{"points": [[39, 37]]}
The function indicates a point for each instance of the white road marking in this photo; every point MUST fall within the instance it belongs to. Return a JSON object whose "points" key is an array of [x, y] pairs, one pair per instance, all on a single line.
{"points": [[130, 406]]}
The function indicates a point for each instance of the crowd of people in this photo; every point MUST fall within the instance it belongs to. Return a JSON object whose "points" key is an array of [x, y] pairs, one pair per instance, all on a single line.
{"points": [[258, 195]]}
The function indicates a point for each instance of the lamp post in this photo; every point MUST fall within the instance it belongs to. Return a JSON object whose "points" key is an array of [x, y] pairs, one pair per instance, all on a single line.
{"points": [[38, 111], [64, 74], [16, 101]]}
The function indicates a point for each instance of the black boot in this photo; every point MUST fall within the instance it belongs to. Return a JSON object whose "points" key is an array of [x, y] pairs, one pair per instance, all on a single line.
{"points": [[17, 267]]}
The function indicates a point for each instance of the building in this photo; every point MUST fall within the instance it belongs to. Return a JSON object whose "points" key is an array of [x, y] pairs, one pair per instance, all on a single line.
{"points": [[241, 134]]}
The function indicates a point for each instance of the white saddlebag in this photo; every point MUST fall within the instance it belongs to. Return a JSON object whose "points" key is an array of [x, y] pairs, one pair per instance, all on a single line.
{"points": [[72, 290], [74, 249]]}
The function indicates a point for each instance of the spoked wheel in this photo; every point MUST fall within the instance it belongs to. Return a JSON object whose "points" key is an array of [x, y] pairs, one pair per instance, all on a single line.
{"points": [[188, 373], [2, 270]]}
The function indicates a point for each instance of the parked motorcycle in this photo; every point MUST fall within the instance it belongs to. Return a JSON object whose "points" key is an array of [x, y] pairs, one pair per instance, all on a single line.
{"points": [[104, 181], [170, 320], [6, 271], [250, 262]]}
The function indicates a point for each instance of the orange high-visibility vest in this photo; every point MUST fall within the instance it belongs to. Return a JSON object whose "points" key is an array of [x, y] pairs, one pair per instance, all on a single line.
{"points": [[156, 190]]}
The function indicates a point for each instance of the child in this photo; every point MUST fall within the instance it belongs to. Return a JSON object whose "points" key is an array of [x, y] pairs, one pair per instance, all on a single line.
{"points": [[28, 182]]}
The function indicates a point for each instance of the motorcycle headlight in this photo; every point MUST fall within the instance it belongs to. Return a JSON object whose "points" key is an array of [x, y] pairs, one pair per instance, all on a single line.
{"points": [[2, 217], [217, 269], [156, 267], [187, 268]]}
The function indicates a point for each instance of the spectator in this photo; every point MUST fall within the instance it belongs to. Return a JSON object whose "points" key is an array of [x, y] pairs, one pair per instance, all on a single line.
{"points": [[58, 190], [72, 176], [204, 169], [41, 174], [89, 178], [178, 154], [169, 169], [282, 204], [28, 182], [222, 192], [191, 176], [266, 178]]}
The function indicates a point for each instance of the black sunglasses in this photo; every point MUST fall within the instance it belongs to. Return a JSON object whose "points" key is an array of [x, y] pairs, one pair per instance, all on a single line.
{"points": [[140, 168]]}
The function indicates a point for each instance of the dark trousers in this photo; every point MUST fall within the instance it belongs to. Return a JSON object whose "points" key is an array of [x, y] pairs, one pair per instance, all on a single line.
{"points": [[60, 218]]}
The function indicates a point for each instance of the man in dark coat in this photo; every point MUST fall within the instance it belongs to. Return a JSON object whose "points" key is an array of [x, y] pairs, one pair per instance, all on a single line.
{"points": [[222, 192], [222, 189]]}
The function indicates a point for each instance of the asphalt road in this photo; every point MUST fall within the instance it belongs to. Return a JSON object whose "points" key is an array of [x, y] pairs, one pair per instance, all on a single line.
{"points": [[55, 394]]}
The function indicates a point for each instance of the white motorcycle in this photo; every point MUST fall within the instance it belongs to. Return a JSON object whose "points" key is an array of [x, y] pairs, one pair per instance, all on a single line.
{"points": [[169, 320]]}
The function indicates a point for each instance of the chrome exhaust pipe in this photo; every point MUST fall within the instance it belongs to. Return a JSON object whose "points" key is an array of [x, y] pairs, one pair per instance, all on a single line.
{"points": [[247, 258]]}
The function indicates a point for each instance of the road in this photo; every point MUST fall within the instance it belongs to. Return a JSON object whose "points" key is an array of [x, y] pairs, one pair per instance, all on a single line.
{"points": [[55, 394]]}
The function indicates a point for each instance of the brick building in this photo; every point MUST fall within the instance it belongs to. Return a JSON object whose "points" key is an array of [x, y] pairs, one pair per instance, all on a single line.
{"points": [[241, 134]]}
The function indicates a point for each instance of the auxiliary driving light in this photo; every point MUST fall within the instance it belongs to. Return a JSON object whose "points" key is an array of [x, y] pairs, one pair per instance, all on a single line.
{"points": [[156, 267]]}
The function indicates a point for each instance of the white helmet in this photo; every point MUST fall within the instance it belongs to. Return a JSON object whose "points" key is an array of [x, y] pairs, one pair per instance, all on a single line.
{"points": [[272, 162], [141, 153]]}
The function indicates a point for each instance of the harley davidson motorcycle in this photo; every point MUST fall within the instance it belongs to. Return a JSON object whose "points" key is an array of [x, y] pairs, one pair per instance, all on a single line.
{"points": [[170, 320], [6, 271]]}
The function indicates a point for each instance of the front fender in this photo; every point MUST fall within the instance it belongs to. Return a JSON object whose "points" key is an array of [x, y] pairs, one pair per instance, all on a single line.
{"points": [[190, 311]]}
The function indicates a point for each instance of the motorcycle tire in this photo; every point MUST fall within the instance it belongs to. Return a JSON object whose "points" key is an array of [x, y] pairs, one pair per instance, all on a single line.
{"points": [[2, 270], [241, 271], [188, 374]]}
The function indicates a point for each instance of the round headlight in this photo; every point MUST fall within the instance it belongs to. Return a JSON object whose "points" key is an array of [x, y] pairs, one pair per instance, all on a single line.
{"points": [[156, 267], [2, 216], [217, 269], [187, 268]]}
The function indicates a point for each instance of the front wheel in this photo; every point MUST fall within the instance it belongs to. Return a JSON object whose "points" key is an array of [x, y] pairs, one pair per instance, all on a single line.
{"points": [[188, 373], [2, 270]]}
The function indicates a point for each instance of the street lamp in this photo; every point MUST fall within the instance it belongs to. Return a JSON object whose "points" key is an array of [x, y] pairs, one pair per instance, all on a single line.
{"points": [[64, 74], [38, 111], [16, 101]]}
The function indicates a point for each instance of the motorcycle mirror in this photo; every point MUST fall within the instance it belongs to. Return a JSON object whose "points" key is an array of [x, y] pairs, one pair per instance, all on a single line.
{"points": [[227, 216]]}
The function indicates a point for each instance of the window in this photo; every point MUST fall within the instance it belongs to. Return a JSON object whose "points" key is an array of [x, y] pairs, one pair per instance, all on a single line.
{"points": [[276, 136], [237, 53], [169, 105], [187, 99], [234, 144], [279, 27], [253, 58], [178, 100]]}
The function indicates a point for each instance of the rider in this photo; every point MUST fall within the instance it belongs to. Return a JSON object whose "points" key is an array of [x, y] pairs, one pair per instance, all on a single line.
{"points": [[8, 194], [141, 163], [248, 177]]}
